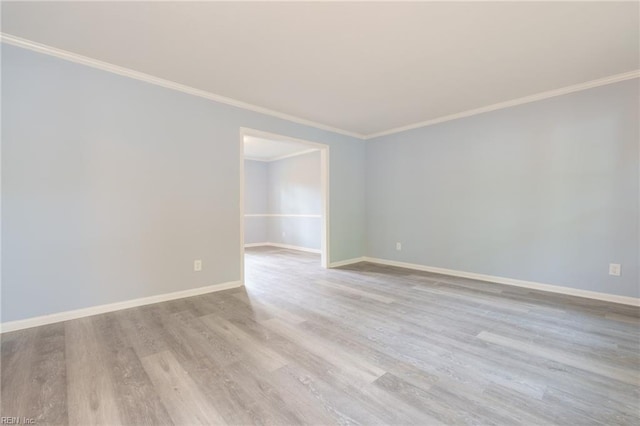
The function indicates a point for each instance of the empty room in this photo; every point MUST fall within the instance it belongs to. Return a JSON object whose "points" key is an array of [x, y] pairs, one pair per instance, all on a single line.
{"points": [[288, 213], [285, 184]]}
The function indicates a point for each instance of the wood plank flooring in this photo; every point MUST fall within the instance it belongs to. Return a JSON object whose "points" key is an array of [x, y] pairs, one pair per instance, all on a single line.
{"points": [[364, 344]]}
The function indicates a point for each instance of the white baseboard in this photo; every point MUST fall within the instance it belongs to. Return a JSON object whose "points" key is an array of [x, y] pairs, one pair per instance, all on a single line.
{"points": [[347, 262], [626, 300], [291, 247], [101, 309], [284, 246]]}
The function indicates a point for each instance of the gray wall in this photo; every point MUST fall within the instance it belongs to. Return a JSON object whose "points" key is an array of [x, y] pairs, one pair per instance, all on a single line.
{"points": [[256, 188], [256, 200], [294, 185], [304, 232], [290, 186], [111, 187], [295, 188], [546, 192]]}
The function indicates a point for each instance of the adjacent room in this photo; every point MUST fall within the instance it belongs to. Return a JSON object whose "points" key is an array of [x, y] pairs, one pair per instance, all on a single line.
{"points": [[284, 188], [319, 213]]}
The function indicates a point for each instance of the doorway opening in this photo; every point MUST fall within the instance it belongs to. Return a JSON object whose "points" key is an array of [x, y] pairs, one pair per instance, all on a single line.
{"points": [[284, 200]]}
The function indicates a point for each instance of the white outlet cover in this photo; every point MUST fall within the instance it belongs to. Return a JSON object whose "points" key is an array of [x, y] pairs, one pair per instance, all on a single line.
{"points": [[197, 265], [614, 269], [398, 246]]}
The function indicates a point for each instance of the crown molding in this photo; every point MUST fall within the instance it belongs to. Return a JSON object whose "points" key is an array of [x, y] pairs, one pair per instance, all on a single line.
{"points": [[514, 102], [282, 157], [116, 69], [295, 154]]}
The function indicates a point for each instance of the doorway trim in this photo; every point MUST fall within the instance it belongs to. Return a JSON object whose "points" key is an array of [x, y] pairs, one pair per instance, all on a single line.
{"points": [[324, 190]]}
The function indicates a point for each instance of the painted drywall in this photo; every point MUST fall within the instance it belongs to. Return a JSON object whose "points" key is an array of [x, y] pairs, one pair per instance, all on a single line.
{"points": [[304, 232], [294, 185], [256, 195], [295, 189], [111, 187], [256, 201], [288, 188], [545, 192]]}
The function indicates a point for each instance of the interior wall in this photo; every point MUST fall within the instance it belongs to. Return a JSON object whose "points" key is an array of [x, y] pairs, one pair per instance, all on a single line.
{"points": [[112, 187], [284, 201], [256, 201], [295, 189], [545, 192]]}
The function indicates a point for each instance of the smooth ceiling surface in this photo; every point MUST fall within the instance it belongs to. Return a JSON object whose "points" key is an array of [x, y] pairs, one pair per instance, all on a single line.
{"points": [[267, 149], [364, 67]]}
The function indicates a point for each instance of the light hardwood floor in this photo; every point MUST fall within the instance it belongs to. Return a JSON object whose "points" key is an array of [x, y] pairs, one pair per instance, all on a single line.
{"points": [[364, 344]]}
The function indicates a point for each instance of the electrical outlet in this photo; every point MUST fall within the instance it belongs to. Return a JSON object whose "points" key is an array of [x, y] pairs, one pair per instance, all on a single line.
{"points": [[197, 265], [398, 246], [614, 269]]}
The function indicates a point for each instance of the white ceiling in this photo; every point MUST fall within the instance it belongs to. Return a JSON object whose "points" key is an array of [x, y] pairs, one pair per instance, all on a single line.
{"points": [[262, 149], [364, 67]]}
